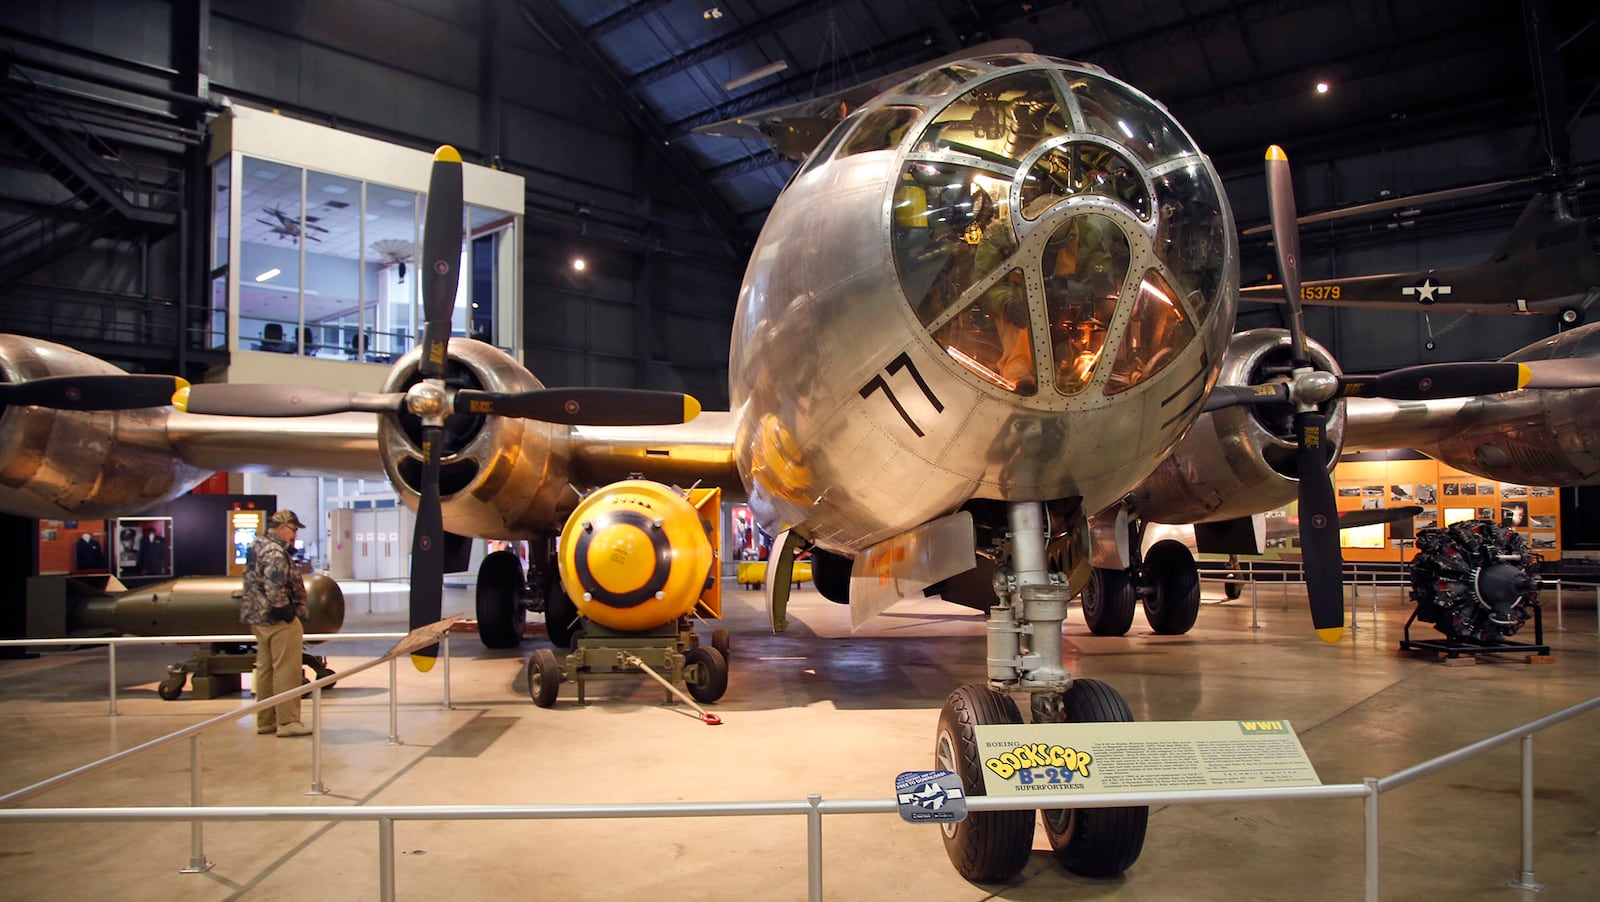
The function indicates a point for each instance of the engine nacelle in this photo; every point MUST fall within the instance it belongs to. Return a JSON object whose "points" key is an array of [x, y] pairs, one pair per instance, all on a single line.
{"points": [[65, 463], [1240, 460], [636, 555], [496, 473]]}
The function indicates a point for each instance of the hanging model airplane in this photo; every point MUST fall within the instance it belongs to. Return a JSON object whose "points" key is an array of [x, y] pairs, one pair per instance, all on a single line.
{"points": [[1549, 264], [985, 336], [289, 226]]}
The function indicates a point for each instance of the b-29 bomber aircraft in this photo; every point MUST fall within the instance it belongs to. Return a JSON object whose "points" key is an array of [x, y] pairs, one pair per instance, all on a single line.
{"points": [[984, 337]]}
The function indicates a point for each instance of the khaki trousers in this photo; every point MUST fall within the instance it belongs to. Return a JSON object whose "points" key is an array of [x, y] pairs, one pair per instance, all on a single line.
{"points": [[278, 669]]}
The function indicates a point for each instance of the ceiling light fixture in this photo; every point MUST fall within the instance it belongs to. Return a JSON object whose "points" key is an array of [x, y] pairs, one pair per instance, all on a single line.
{"points": [[579, 264], [755, 75], [270, 274], [1323, 87]]}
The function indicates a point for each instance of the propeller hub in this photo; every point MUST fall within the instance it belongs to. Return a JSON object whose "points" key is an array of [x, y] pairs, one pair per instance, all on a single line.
{"points": [[1315, 387], [427, 399]]}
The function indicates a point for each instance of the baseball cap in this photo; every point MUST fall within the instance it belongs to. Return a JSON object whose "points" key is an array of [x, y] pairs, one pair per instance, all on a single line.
{"points": [[286, 517]]}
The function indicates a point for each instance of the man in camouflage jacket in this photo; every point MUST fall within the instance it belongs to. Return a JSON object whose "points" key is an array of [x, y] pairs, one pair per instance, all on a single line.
{"points": [[274, 604]]}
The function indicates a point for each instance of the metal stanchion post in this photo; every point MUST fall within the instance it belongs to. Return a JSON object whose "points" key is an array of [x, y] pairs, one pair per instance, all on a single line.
{"points": [[814, 848], [445, 648], [1354, 595], [113, 659], [1560, 628], [1525, 879], [1372, 838], [394, 711], [386, 859], [317, 787], [197, 855], [1255, 624]]}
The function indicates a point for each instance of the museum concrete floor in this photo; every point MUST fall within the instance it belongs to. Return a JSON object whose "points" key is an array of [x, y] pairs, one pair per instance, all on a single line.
{"points": [[818, 710]]}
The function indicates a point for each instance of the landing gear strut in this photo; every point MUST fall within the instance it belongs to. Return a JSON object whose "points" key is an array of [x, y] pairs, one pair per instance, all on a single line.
{"points": [[1025, 653]]}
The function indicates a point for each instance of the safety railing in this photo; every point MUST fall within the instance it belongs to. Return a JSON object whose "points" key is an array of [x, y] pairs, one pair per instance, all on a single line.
{"points": [[1371, 579], [112, 643], [812, 808]]}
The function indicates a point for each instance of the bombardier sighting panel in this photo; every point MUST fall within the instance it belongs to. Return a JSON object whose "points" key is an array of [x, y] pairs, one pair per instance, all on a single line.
{"points": [[1044, 215]]}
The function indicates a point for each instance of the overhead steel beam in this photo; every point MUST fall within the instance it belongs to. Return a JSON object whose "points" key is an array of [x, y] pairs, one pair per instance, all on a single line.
{"points": [[736, 238]]}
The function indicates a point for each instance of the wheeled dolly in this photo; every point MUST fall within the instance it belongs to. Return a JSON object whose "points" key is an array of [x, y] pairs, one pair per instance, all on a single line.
{"points": [[215, 671], [602, 654]]}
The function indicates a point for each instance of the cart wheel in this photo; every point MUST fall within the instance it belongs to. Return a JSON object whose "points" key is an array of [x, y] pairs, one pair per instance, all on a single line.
{"points": [[711, 679], [171, 687], [544, 677], [719, 641]]}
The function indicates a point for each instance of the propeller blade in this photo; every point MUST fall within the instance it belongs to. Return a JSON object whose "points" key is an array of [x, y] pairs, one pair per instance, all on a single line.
{"points": [[584, 406], [1353, 519], [1286, 242], [1576, 372], [427, 548], [1319, 529], [441, 256], [243, 400], [1242, 395], [111, 391]]}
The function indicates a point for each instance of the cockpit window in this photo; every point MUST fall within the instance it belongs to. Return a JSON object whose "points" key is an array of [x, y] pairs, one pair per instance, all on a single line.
{"points": [[940, 81], [999, 120], [942, 214], [1085, 264], [825, 149], [1157, 333], [1111, 111], [992, 337], [881, 129], [1191, 234], [1078, 169]]}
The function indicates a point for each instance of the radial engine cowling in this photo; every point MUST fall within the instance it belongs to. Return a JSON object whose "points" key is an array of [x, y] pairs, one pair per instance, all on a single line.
{"points": [[636, 555], [1475, 581], [497, 474], [1241, 460], [62, 463]]}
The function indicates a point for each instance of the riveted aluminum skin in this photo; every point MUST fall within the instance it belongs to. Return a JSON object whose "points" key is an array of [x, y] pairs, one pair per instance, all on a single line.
{"points": [[854, 424]]}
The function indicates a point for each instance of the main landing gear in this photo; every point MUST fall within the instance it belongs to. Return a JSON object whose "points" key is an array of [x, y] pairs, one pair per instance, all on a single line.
{"points": [[1025, 653], [1167, 582]]}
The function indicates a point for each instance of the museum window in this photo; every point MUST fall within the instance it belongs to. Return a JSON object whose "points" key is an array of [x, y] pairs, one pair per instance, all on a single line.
{"points": [[270, 255]]}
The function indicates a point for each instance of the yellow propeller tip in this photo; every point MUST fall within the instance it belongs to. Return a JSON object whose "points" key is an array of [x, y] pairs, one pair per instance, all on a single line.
{"points": [[180, 398], [446, 154], [423, 663], [1276, 153], [691, 407], [1524, 375], [1331, 635]]}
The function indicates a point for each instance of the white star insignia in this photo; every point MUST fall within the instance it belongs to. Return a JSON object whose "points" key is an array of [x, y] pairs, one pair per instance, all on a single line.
{"points": [[1426, 291]]}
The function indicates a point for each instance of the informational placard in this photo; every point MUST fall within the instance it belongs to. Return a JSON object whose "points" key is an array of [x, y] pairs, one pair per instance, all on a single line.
{"points": [[1134, 757], [926, 796]]}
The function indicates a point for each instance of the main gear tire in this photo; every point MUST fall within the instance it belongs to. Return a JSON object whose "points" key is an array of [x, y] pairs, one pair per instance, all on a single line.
{"points": [[987, 846], [560, 612], [1108, 602], [501, 615], [1096, 842], [1172, 608]]}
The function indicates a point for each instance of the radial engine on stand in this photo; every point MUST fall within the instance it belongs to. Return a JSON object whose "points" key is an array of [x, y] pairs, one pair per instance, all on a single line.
{"points": [[1475, 581]]}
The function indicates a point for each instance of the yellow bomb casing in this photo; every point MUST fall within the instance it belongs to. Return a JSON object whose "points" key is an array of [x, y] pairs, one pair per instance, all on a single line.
{"points": [[635, 555]]}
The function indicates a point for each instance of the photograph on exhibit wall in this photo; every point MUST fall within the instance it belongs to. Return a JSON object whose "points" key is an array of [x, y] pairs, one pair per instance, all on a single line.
{"points": [[1514, 514], [1508, 490], [1426, 493]]}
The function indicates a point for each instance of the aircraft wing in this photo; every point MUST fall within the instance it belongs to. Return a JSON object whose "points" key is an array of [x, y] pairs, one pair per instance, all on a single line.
{"points": [[794, 129], [699, 452], [1460, 290]]}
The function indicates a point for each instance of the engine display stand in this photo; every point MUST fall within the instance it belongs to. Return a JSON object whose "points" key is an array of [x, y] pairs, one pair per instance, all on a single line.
{"points": [[216, 671], [1453, 649]]}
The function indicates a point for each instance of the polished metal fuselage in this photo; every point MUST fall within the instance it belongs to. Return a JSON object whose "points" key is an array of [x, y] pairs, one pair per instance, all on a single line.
{"points": [[853, 425]]}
